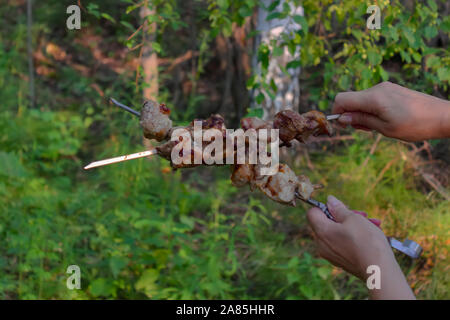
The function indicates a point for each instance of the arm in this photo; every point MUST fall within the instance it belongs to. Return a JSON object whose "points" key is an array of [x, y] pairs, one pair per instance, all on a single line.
{"points": [[354, 243], [395, 111]]}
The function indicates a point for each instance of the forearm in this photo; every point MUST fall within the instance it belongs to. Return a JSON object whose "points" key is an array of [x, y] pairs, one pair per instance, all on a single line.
{"points": [[444, 119], [393, 284], [435, 116]]}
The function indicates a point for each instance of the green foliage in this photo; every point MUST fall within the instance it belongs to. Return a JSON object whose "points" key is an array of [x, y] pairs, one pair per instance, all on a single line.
{"points": [[138, 231], [339, 53]]}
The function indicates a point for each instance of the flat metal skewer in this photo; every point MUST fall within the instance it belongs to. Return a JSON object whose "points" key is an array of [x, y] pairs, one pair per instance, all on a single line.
{"points": [[127, 157], [124, 107], [333, 117], [322, 206]]}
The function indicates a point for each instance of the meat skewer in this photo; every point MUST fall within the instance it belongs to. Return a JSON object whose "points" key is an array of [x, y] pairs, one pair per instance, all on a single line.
{"points": [[283, 187]]}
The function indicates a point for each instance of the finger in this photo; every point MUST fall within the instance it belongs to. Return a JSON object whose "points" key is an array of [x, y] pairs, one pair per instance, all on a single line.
{"points": [[361, 213], [361, 128], [375, 222], [337, 209], [318, 221], [326, 252], [354, 101], [362, 120]]}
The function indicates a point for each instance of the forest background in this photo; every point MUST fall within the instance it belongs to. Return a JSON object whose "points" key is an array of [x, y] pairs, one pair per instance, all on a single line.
{"points": [[140, 230]]}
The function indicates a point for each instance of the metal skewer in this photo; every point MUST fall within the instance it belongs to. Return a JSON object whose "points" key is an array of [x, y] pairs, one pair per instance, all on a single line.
{"points": [[121, 159], [322, 206], [333, 117], [408, 247], [124, 107]]}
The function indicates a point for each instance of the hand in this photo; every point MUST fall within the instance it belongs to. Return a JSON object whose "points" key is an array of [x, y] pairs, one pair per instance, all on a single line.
{"points": [[395, 111], [354, 243]]}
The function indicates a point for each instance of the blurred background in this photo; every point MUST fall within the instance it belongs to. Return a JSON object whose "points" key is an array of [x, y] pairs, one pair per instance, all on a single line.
{"points": [[140, 230]]}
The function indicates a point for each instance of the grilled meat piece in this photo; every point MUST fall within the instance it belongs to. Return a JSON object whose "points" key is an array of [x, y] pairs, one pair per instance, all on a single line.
{"points": [[300, 126], [316, 124], [213, 122], [155, 120], [242, 174], [255, 123], [290, 124], [280, 187]]}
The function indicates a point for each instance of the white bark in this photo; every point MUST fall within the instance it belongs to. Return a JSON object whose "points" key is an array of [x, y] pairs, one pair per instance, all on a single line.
{"points": [[288, 87]]}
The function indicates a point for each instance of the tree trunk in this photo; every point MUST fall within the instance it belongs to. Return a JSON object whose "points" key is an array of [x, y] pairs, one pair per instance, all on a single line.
{"points": [[149, 60], [288, 87]]}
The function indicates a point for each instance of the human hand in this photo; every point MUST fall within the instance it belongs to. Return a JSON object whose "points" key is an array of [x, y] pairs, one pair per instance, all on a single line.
{"points": [[395, 111], [353, 243]]}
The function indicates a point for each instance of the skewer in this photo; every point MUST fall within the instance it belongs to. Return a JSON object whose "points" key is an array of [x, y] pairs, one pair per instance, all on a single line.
{"points": [[121, 159], [137, 113], [323, 207], [333, 117], [124, 107]]}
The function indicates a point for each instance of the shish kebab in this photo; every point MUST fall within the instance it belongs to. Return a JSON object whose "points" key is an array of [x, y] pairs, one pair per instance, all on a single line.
{"points": [[283, 187]]}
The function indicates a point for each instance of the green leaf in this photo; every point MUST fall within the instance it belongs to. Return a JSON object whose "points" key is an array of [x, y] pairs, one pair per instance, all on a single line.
{"points": [[433, 6], [223, 4], [147, 282], [433, 62], [301, 20], [108, 17], [277, 51], [11, 166], [405, 56], [127, 25], [323, 105], [383, 73], [409, 36], [324, 272], [293, 64], [260, 98], [344, 82], [417, 57], [374, 57], [156, 47], [117, 264], [443, 74], [273, 5], [102, 287], [254, 112], [245, 11], [263, 55], [445, 25], [430, 32], [274, 15]]}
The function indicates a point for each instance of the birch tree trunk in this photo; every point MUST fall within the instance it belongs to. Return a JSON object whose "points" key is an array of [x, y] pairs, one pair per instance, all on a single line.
{"points": [[149, 59], [288, 87]]}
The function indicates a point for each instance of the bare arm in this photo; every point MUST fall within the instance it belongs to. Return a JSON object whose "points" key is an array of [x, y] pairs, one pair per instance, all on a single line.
{"points": [[395, 111]]}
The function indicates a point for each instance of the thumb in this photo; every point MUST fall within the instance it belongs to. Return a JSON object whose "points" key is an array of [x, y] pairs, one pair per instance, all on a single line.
{"points": [[361, 119], [338, 209]]}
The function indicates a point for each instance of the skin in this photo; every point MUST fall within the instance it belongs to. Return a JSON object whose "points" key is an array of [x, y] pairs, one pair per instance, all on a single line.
{"points": [[395, 111], [353, 243]]}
